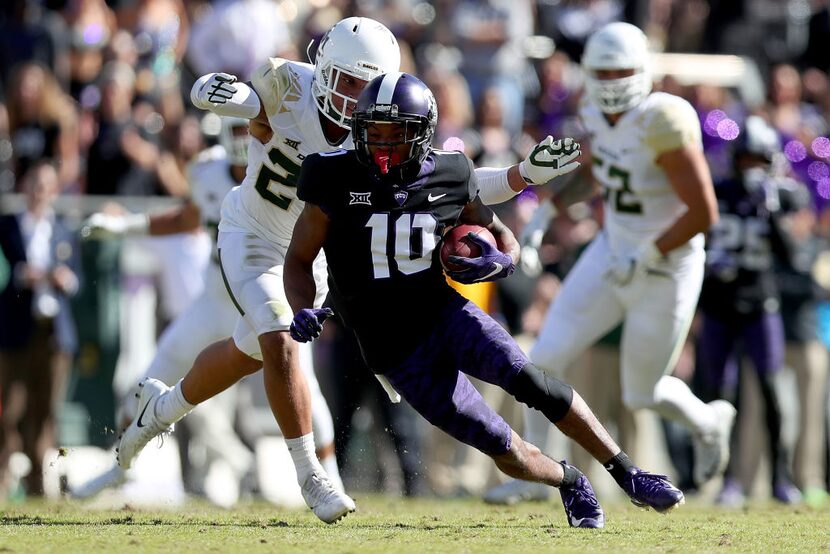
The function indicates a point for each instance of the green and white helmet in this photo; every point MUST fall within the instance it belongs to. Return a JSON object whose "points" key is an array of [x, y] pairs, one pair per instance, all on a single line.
{"points": [[617, 46], [357, 46]]}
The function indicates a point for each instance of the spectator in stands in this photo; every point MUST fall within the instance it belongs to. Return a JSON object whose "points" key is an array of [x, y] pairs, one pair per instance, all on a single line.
{"points": [[30, 33], [124, 158], [490, 34], [249, 31], [43, 123], [91, 26], [37, 333]]}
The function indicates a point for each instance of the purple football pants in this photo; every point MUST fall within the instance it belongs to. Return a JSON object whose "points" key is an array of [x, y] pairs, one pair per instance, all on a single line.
{"points": [[433, 380], [761, 337]]}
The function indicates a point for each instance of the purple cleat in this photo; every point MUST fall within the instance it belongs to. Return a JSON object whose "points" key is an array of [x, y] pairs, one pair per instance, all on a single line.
{"points": [[649, 490], [731, 494], [785, 492], [581, 505]]}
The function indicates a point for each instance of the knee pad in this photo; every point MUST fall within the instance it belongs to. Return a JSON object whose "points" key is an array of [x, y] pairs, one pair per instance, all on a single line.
{"points": [[542, 392]]}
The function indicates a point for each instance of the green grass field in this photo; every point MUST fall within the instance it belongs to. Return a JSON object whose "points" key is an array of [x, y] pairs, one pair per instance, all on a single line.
{"points": [[384, 524]]}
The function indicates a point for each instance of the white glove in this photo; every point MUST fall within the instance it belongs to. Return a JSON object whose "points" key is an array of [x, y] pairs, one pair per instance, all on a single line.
{"points": [[530, 239], [550, 159], [222, 94], [103, 226], [624, 269]]}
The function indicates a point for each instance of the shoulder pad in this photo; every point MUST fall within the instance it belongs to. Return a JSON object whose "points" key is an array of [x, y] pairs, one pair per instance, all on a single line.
{"points": [[272, 81], [671, 123]]}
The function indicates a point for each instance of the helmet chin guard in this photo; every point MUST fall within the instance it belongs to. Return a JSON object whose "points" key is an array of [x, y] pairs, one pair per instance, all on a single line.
{"points": [[617, 46]]}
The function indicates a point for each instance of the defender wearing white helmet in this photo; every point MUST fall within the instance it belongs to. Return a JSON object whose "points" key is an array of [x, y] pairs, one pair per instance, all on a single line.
{"points": [[288, 122], [209, 318], [295, 109], [645, 268]]}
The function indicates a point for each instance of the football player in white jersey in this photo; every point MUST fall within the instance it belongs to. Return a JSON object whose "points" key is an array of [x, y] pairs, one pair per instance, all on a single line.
{"points": [[645, 268], [211, 316], [295, 109]]}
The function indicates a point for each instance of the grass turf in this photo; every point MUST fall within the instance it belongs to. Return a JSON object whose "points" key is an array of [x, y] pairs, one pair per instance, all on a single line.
{"points": [[384, 524]]}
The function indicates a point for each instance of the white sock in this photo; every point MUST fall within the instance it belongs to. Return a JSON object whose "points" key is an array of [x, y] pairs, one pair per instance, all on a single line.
{"points": [[304, 456], [329, 463], [674, 400], [172, 406]]}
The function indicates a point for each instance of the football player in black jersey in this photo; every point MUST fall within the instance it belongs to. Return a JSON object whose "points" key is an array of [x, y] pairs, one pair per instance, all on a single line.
{"points": [[740, 300], [378, 212]]}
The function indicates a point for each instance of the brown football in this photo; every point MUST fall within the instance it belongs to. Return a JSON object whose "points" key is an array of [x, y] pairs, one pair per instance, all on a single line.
{"points": [[457, 243]]}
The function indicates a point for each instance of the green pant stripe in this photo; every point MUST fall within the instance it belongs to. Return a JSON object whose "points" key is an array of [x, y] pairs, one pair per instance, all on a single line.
{"points": [[227, 286]]}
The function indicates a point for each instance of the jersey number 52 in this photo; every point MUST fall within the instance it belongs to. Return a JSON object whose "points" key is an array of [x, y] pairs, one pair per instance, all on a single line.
{"points": [[617, 188]]}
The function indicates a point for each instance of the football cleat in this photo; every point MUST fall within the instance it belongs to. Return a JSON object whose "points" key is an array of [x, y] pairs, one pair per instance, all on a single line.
{"points": [[146, 424], [581, 505], [327, 503], [111, 478], [649, 490], [785, 492], [712, 449], [731, 494], [515, 491]]}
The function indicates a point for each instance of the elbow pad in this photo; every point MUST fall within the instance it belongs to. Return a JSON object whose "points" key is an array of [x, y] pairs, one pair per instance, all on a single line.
{"points": [[224, 95]]}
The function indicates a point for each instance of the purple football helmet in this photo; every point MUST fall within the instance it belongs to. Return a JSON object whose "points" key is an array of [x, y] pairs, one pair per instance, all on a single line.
{"points": [[396, 98]]}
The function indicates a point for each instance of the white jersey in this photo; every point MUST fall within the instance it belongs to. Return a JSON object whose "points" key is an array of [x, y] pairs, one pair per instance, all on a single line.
{"points": [[210, 181], [266, 202], [640, 202]]}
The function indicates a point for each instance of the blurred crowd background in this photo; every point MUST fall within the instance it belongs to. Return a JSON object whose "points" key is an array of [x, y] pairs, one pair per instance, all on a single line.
{"points": [[94, 109]]}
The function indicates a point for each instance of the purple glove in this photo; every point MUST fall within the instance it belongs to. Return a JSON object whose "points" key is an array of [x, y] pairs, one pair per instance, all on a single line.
{"points": [[491, 265], [308, 323]]}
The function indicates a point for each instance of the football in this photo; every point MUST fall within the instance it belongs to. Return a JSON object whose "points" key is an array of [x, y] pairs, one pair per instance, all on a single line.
{"points": [[456, 243]]}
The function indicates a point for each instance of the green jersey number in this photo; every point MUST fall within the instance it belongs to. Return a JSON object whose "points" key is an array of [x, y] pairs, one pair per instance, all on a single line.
{"points": [[268, 180], [621, 197]]}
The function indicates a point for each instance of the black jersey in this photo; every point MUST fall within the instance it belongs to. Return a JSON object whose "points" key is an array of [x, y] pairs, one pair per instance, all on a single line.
{"points": [[741, 254], [385, 275]]}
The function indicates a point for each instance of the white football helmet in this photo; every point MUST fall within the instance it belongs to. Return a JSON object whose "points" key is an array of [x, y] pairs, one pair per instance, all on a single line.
{"points": [[617, 46], [234, 142], [357, 46]]}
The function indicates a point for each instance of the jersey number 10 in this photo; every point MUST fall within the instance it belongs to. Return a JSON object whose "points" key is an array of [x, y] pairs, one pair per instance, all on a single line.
{"points": [[402, 248]]}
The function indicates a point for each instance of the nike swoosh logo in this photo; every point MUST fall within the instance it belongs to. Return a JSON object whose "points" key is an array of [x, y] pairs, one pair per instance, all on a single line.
{"points": [[609, 467], [432, 198], [498, 267], [577, 521], [141, 415]]}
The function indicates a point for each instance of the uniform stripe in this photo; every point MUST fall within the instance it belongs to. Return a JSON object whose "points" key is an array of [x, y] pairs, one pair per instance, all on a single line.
{"points": [[387, 87], [227, 285]]}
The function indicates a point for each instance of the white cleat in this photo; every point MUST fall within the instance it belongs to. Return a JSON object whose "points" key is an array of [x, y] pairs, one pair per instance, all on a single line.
{"points": [[145, 426], [113, 477], [712, 449], [515, 491], [327, 503]]}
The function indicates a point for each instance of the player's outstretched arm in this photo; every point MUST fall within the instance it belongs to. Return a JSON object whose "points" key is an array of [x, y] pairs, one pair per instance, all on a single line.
{"points": [[182, 219], [222, 94], [546, 160]]}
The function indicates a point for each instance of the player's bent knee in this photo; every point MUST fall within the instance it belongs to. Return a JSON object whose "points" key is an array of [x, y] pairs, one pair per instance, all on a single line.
{"points": [[239, 360], [540, 391], [276, 345]]}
